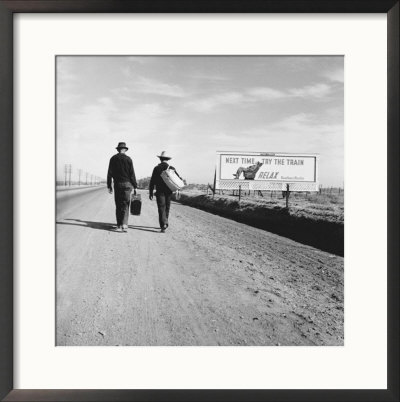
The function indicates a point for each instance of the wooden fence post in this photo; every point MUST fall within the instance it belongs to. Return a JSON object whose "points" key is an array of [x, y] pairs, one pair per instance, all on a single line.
{"points": [[240, 191]]}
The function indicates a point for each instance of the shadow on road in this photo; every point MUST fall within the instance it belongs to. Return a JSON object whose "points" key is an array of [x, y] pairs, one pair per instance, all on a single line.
{"points": [[89, 224], [104, 225], [145, 228]]}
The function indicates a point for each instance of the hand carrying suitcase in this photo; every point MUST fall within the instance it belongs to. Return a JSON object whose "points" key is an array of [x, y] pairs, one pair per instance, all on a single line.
{"points": [[136, 204], [172, 180]]}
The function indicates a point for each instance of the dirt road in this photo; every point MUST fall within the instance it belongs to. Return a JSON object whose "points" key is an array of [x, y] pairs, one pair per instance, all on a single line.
{"points": [[207, 281]]}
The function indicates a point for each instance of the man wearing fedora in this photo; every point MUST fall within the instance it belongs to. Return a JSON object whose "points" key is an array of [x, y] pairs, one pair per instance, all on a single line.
{"points": [[163, 193], [121, 171]]}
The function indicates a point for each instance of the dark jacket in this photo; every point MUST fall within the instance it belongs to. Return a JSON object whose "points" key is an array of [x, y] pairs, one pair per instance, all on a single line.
{"points": [[157, 181], [121, 170]]}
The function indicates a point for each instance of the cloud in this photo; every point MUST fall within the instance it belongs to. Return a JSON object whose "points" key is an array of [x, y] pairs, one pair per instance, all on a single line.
{"points": [[208, 77], [335, 75], [260, 94], [302, 132], [133, 63], [300, 124], [126, 71], [151, 86], [87, 139], [265, 94], [65, 98], [67, 83], [316, 91], [141, 121], [107, 103], [235, 98], [139, 59], [155, 106], [141, 85], [211, 102]]}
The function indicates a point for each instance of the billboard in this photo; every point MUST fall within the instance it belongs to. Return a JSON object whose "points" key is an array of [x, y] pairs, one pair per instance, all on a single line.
{"points": [[266, 171]]}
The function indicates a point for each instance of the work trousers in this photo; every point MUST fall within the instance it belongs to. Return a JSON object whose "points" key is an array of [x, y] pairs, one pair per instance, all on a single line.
{"points": [[122, 196], [163, 205]]}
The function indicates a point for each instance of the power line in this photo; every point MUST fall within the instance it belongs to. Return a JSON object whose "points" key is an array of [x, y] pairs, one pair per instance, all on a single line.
{"points": [[83, 177]]}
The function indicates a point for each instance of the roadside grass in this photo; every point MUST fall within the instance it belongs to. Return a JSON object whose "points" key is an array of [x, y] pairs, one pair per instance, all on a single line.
{"points": [[314, 219]]}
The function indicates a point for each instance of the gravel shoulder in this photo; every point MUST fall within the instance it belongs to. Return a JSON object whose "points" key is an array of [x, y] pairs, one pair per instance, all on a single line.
{"points": [[207, 281]]}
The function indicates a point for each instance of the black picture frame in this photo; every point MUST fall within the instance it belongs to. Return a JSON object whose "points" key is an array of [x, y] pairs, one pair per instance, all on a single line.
{"points": [[8, 8]]}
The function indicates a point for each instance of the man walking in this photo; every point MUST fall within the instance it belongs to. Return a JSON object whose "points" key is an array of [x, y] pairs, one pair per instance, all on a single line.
{"points": [[121, 171], [163, 193]]}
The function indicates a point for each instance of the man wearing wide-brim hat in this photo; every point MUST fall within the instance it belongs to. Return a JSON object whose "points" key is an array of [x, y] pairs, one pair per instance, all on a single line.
{"points": [[163, 193], [121, 172]]}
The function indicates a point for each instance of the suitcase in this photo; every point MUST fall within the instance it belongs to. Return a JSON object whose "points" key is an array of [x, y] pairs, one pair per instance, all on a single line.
{"points": [[172, 180], [136, 204]]}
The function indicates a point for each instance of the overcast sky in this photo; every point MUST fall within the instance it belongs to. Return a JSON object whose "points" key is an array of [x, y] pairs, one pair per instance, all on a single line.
{"points": [[192, 107]]}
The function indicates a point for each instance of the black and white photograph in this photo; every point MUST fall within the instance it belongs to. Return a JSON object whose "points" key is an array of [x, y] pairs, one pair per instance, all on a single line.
{"points": [[199, 200]]}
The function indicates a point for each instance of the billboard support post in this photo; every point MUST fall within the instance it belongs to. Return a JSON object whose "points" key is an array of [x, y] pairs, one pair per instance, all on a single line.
{"points": [[287, 196], [215, 181]]}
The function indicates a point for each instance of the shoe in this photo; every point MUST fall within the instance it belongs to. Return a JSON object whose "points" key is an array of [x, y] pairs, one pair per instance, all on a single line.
{"points": [[162, 230], [118, 229], [125, 228]]}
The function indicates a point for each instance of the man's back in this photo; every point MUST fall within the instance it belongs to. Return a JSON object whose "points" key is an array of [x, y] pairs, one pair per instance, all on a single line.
{"points": [[121, 170], [157, 181]]}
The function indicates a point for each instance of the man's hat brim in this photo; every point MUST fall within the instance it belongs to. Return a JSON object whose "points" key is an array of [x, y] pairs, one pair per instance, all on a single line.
{"points": [[122, 148], [164, 157]]}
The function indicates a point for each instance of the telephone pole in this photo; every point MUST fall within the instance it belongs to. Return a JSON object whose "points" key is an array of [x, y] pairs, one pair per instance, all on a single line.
{"points": [[65, 174], [79, 174], [69, 172]]}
